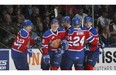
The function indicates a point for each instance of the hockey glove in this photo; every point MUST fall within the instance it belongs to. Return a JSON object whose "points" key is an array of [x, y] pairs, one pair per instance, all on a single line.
{"points": [[64, 45], [30, 52], [87, 47], [102, 45], [38, 40], [46, 59]]}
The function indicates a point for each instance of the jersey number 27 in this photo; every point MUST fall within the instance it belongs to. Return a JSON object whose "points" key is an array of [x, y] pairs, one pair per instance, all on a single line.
{"points": [[19, 42]]}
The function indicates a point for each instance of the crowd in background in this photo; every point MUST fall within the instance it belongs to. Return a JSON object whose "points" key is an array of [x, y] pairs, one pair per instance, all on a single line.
{"points": [[11, 18], [105, 22]]}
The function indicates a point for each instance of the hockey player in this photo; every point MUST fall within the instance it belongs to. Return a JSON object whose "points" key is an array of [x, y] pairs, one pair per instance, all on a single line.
{"points": [[52, 53], [66, 23], [21, 46], [66, 26], [76, 39], [93, 51]]}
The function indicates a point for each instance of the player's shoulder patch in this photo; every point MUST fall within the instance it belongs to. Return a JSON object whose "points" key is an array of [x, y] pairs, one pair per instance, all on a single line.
{"points": [[94, 31], [24, 33], [71, 30], [47, 33]]}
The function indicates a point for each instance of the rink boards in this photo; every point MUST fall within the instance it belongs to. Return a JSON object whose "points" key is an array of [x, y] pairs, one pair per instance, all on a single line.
{"points": [[106, 61]]}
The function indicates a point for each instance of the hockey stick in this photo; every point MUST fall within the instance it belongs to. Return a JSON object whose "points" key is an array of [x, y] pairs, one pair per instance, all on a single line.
{"points": [[39, 47]]}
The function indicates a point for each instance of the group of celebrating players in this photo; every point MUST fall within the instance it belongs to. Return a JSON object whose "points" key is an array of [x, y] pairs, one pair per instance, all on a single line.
{"points": [[62, 47]]}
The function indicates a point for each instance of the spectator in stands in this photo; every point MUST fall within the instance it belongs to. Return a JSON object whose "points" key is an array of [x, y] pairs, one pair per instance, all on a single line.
{"points": [[27, 11], [9, 9], [8, 30], [46, 23], [34, 14], [47, 14], [37, 19], [18, 12], [7, 23], [18, 23], [81, 15], [103, 21], [108, 9], [106, 36], [39, 29]]}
